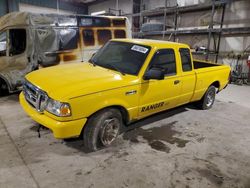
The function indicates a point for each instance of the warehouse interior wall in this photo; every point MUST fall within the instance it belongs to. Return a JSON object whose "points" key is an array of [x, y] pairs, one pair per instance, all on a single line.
{"points": [[125, 6], [7, 6], [37, 9], [237, 14], [3, 8]]}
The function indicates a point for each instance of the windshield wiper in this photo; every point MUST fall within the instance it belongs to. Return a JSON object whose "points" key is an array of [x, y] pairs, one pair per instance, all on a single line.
{"points": [[115, 68]]}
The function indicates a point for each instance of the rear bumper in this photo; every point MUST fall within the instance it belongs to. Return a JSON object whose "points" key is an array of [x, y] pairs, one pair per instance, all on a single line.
{"points": [[60, 129]]}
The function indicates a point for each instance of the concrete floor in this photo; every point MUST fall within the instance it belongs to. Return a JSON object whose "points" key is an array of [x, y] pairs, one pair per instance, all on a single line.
{"points": [[184, 147]]}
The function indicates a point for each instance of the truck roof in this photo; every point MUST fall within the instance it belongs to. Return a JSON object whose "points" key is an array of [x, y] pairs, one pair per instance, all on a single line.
{"points": [[153, 43]]}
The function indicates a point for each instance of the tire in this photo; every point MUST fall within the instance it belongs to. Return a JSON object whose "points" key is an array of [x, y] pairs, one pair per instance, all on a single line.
{"points": [[102, 129], [208, 99]]}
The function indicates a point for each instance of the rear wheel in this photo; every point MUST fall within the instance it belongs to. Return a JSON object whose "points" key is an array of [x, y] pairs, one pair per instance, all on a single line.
{"points": [[102, 129], [208, 99]]}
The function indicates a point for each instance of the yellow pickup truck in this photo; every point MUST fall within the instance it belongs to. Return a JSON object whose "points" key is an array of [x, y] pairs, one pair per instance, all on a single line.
{"points": [[126, 80]]}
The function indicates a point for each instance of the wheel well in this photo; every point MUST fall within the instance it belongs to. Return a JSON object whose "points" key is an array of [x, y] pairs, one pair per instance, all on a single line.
{"points": [[216, 84], [124, 112]]}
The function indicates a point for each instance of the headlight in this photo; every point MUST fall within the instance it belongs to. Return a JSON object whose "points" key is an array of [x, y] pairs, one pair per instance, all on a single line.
{"points": [[58, 108]]}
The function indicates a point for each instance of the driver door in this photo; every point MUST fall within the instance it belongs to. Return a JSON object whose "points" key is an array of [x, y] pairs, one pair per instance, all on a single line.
{"points": [[159, 95]]}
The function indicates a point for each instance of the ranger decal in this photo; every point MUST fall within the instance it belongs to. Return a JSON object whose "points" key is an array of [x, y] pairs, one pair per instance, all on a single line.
{"points": [[152, 107]]}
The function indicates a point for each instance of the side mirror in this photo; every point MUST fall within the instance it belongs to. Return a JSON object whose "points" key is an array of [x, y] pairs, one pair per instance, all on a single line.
{"points": [[154, 73]]}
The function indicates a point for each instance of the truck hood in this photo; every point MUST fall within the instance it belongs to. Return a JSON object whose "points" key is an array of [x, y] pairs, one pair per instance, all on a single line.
{"points": [[68, 81]]}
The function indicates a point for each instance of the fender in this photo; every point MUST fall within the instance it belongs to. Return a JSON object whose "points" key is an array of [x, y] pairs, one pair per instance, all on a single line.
{"points": [[95, 102]]}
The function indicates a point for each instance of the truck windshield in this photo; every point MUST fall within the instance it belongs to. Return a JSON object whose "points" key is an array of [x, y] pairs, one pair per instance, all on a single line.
{"points": [[123, 57]]}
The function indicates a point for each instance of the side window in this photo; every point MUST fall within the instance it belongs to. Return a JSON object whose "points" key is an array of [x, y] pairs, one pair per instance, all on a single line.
{"points": [[120, 33], [165, 59], [103, 36], [88, 37], [3, 43], [68, 39], [185, 59], [17, 41]]}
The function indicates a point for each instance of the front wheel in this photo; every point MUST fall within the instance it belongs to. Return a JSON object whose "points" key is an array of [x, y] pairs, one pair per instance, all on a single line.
{"points": [[208, 99], [102, 129]]}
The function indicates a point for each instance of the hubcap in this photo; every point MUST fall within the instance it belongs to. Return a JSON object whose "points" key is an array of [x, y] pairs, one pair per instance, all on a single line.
{"points": [[109, 131], [210, 98]]}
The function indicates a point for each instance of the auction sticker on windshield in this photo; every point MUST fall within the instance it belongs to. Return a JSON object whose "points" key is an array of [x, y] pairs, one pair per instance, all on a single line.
{"points": [[139, 49]]}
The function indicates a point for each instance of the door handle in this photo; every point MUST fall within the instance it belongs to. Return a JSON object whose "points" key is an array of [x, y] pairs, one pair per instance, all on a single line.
{"points": [[176, 82]]}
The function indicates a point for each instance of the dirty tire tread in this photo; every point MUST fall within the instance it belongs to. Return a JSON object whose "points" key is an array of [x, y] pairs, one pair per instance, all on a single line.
{"points": [[88, 133], [92, 128]]}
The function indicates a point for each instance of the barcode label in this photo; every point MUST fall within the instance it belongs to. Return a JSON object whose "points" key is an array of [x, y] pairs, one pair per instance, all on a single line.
{"points": [[139, 49]]}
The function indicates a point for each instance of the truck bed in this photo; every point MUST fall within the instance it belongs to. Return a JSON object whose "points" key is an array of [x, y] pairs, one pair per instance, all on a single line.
{"points": [[207, 74], [201, 64]]}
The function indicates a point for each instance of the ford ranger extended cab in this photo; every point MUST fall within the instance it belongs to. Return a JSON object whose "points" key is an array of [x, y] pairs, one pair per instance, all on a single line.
{"points": [[126, 80]]}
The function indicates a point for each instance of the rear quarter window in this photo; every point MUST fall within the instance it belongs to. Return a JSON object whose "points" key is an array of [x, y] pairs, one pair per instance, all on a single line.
{"points": [[185, 59]]}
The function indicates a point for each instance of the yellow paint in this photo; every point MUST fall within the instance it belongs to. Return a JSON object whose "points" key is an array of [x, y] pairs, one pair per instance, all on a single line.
{"points": [[60, 129], [89, 88]]}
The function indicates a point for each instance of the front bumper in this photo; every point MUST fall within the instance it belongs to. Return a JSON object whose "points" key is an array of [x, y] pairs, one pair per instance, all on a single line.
{"points": [[61, 130]]}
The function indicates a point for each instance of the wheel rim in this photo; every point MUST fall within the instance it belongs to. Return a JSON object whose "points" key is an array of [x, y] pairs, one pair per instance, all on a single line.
{"points": [[210, 98], [109, 131]]}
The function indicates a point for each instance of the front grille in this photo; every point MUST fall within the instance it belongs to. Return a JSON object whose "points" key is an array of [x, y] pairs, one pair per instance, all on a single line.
{"points": [[35, 96]]}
